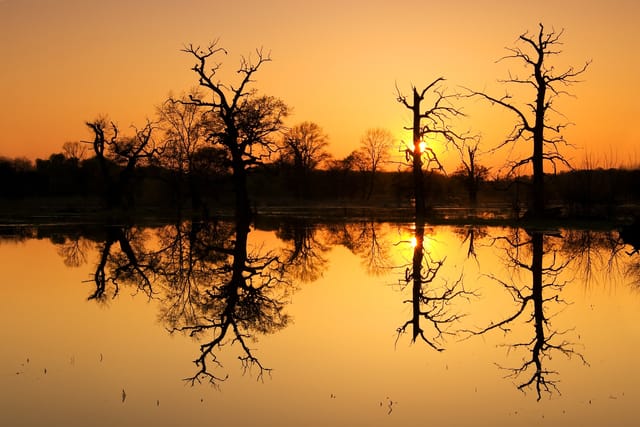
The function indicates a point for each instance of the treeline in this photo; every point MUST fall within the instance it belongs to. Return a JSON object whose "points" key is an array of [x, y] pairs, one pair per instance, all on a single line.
{"points": [[580, 193]]}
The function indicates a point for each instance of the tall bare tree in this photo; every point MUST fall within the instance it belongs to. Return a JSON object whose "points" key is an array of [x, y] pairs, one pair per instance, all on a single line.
{"points": [[237, 118], [534, 123], [429, 122]]}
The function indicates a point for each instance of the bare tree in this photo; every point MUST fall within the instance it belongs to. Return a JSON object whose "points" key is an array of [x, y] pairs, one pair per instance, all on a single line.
{"points": [[470, 171], [184, 136], [74, 150], [237, 119], [126, 154], [304, 149], [375, 146], [430, 122], [534, 123]]}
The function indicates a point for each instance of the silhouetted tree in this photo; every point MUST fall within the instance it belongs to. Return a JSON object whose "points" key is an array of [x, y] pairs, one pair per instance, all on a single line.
{"points": [[375, 146], [429, 122], [304, 149], [74, 150], [236, 118], [184, 135], [126, 154], [534, 121], [470, 171]]}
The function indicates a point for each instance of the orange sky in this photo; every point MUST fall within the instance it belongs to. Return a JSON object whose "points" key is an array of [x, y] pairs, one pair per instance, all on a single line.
{"points": [[335, 62]]}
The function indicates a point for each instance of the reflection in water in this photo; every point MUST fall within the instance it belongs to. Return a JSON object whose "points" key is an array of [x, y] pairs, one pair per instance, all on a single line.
{"points": [[429, 301], [362, 239], [470, 235], [630, 235], [130, 265], [246, 297], [305, 259], [214, 286], [239, 293], [534, 301], [211, 284]]}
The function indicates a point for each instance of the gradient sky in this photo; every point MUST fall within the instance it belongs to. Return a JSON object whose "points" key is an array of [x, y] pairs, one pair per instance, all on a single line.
{"points": [[335, 62]]}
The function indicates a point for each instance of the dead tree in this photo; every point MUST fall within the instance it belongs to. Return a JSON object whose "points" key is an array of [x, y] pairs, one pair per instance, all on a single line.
{"points": [[534, 123], [433, 121]]}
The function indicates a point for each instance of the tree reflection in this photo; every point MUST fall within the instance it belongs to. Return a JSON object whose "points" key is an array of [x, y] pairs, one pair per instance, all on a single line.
{"points": [[74, 250], [363, 239], [187, 266], [592, 251], [429, 301], [469, 236], [131, 264], [305, 258], [246, 297], [630, 235], [211, 284], [535, 301]]}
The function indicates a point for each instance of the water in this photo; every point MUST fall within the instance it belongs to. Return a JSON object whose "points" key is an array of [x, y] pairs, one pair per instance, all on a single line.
{"points": [[313, 324]]}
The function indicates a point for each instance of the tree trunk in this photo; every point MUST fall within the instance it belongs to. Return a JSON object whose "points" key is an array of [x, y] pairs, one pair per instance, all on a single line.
{"points": [[418, 176]]}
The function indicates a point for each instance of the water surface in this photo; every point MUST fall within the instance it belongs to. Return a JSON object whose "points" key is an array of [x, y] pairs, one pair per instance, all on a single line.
{"points": [[298, 323]]}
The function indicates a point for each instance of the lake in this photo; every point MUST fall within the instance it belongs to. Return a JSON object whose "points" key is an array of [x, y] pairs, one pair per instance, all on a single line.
{"points": [[291, 322]]}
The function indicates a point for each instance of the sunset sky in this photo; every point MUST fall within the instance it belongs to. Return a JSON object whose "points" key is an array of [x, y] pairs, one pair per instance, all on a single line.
{"points": [[336, 63]]}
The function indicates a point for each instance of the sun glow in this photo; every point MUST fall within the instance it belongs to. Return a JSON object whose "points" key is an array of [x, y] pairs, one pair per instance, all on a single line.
{"points": [[422, 146]]}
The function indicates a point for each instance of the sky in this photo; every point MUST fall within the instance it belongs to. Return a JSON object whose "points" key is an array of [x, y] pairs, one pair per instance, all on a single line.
{"points": [[336, 63]]}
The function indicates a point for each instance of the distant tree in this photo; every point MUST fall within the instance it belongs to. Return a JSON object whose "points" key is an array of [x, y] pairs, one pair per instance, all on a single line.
{"points": [[347, 175], [375, 146], [430, 122], [470, 171], [184, 135], [534, 122], [236, 118], [304, 149], [74, 150]]}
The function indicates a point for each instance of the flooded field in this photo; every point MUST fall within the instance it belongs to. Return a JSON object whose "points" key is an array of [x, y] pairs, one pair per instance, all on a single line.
{"points": [[296, 323]]}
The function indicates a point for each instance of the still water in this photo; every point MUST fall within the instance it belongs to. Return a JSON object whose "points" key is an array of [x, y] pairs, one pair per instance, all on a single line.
{"points": [[294, 323]]}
